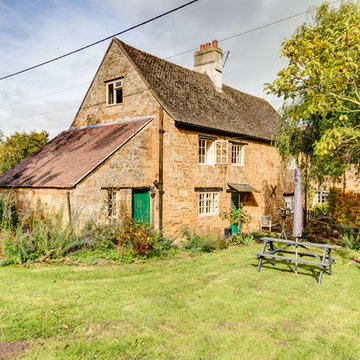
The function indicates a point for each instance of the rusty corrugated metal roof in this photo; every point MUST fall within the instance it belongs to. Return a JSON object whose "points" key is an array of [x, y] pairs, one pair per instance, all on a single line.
{"points": [[70, 156]]}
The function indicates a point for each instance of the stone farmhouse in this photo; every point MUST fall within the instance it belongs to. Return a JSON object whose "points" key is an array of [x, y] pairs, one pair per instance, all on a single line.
{"points": [[158, 142]]}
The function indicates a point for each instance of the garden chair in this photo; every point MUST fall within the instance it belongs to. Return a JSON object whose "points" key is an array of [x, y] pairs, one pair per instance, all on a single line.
{"points": [[265, 222]]}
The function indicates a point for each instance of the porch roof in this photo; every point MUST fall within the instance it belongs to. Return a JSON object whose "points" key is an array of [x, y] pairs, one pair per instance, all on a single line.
{"points": [[242, 188]]}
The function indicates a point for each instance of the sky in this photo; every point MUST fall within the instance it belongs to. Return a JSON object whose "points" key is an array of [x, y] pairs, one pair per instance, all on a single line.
{"points": [[48, 97]]}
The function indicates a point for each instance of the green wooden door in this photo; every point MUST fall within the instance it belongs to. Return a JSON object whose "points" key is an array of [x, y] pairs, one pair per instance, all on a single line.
{"points": [[236, 200], [141, 205]]}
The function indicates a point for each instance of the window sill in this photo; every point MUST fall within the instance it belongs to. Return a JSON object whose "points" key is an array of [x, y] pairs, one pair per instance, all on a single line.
{"points": [[208, 215], [111, 105], [237, 165]]}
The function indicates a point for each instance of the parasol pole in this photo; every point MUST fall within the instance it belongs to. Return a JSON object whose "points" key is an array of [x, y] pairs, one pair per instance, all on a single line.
{"points": [[298, 213]]}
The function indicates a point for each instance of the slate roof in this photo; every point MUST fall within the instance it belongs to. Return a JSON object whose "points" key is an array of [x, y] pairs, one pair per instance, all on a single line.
{"points": [[190, 98], [71, 155]]}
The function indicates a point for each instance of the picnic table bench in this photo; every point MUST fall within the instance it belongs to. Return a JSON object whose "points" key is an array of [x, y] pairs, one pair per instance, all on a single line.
{"points": [[322, 261]]}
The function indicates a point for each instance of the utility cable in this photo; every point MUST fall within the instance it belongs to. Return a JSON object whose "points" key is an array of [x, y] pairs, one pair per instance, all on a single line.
{"points": [[99, 41], [42, 96], [255, 29]]}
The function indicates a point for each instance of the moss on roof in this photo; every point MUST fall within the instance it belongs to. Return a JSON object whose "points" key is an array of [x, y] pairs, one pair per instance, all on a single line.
{"points": [[190, 98]]}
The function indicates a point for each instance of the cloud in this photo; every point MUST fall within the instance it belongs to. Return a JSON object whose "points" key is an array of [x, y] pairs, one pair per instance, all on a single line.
{"points": [[48, 29]]}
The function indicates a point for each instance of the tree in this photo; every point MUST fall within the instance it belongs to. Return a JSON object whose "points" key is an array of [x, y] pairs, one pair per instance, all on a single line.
{"points": [[321, 90], [19, 146]]}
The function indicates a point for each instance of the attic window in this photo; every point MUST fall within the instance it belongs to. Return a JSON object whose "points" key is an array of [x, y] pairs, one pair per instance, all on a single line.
{"points": [[114, 92]]}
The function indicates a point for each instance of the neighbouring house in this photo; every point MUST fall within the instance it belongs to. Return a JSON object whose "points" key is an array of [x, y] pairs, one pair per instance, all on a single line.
{"points": [[158, 142], [350, 182]]}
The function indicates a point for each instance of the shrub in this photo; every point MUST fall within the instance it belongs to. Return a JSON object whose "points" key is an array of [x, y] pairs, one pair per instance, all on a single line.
{"points": [[8, 216], [102, 236], [331, 200], [350, 239], [196, 242], [237, 217], [347, 209], [244, 238], [321, 209], [44, 240], [143, 240]]}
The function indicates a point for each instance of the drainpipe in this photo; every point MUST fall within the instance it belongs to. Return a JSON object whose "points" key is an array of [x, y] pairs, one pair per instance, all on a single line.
{"points": [[161, 167], [68, 205]]}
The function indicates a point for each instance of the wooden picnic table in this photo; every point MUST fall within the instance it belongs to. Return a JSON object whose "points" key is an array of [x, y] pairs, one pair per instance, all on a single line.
{"points": [[270, 251]]}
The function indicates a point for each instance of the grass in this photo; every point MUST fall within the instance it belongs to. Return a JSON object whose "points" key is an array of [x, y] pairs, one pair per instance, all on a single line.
{"points": [[213, 306]]}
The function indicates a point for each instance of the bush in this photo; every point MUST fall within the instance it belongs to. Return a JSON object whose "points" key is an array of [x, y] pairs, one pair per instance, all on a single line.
{"points": [[350, 239], [244, 238], [40, 239], [347, 209], [143, 240], [43, 240], [321, 209], [8, 216], [331, 200], [237, 216], [196, 242]]}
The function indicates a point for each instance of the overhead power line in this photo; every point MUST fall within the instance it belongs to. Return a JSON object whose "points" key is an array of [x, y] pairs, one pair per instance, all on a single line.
{"points": [[256, 28], [42, 114], [42, 96], [99, 41]]}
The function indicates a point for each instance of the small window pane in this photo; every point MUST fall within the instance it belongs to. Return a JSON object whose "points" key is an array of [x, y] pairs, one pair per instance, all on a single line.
{"points": [[237, 154], [202, 151], [119, 95], [110, 94], [208, 203], [111, 202], [221, 152]]}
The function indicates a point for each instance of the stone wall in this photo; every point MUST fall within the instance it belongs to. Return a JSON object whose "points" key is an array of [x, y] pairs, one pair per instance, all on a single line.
{"points": [[262, 169], [132, 166], [137, 98], [39, 201], [136, 164]]}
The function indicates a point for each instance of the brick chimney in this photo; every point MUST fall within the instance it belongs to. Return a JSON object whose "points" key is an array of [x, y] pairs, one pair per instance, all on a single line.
{"points": [[208, 60]]}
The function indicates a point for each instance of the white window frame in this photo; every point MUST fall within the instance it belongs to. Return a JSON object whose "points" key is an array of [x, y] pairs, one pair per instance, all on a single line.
{"points": [[238, 151], [206, 152], [111, 203], [222, 157], [208, 203], [116, 85], [320, 197], [289, 200]]}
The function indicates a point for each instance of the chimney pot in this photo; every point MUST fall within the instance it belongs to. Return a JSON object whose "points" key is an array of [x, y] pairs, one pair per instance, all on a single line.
{"points": [[208, 60]]}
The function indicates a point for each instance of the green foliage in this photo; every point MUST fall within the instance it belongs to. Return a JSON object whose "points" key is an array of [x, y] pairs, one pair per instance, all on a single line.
{"points": [[320, 87], [8, 216], [347, 208], [350, 238], [244, 238], [143, 240], [237, 216], [19, 146], [42, 239], [198, 242], [321, 209], [331, 200]]}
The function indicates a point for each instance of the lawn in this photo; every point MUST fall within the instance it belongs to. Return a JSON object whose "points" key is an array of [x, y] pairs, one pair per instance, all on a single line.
{"points": [[213, 306]]}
